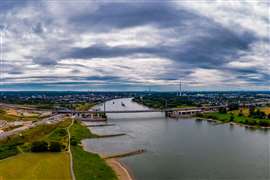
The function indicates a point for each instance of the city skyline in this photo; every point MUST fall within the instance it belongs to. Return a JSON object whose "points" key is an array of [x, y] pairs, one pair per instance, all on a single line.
{"points": [[134, 46]]}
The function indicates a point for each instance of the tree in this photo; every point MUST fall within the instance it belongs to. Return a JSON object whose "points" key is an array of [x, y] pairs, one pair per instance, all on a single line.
{"points": [[222, 110], [231, 117], [55, 146], [233, 106], [251, 111], [240, 112], [73, 141], [39, 146]]}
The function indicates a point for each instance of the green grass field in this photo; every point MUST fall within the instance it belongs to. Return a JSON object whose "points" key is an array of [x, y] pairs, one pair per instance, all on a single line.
{"points": [[88, 165], [30, 166]]}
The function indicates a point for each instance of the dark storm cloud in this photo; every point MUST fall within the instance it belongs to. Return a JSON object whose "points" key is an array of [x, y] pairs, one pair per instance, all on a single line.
{"points": [[44, 61], [122, 15], [189, 41], [217, 44]]}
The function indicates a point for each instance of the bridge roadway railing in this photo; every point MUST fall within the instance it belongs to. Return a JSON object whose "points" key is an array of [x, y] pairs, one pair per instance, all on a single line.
{"points": [[141, 111]]}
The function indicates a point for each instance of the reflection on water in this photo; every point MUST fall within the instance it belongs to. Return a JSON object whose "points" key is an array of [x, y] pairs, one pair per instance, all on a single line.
{"points": [[185, 148]]}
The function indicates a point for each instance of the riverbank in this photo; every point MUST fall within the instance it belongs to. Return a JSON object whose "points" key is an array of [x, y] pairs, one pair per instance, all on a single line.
{"points": [[102, 168], [122, 172], [232, 123]]}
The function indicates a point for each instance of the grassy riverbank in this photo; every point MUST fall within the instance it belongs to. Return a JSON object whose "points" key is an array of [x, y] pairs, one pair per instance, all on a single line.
{"points": [[235, 117], [87, 165]]}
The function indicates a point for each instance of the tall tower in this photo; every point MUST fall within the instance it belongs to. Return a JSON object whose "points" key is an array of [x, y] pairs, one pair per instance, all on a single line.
{"points": [[180, 89]]}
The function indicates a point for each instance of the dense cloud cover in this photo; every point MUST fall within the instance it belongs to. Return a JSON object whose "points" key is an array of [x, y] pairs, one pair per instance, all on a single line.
{"points": [[208, 45]]}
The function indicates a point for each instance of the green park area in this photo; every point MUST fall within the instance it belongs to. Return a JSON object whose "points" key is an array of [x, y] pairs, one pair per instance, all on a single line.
{"points": [[45, 166], [253, 116], [36, 153], [87, 165], [41, 152]]}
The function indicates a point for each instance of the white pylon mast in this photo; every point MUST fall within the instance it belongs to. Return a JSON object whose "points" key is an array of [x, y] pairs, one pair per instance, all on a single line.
{"points": [[180, 88]]}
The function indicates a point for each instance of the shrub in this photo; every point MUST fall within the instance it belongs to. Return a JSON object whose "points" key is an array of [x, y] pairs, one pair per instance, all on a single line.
{"points": [[251, 122], [7, 150], [222, 110], [39, 146], [231, 117], [73, 141], [264, 122], [55, 147]]}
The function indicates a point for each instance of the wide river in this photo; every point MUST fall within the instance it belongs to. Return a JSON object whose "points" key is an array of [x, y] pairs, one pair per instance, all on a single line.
{"points": [[183, 149]]}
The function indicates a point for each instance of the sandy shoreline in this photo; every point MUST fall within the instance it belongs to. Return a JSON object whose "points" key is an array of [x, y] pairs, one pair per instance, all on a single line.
{"points": [[120, 170]]}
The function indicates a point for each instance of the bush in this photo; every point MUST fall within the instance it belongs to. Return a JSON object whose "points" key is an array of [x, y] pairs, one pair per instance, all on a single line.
{"points": [[222, 110], [251, 122], [73, 141], [7, 150], [233, 106], [231, 118], [264, 122], [39, 146], [55, 147]]}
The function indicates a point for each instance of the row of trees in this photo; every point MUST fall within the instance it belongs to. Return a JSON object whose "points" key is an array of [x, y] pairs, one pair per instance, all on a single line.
{"points": [[257, 113], [253, 112], [43, 146]]}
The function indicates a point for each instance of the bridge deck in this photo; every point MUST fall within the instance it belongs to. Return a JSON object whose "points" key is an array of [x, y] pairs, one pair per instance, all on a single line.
{"points": [[142, 111]]}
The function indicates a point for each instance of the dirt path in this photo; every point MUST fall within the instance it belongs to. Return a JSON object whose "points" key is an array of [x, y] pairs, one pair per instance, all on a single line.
{"points": [[70, 153]]}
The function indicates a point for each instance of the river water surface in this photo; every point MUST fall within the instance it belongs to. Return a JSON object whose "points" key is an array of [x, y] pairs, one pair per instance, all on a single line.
{"points": [[183, 149]]}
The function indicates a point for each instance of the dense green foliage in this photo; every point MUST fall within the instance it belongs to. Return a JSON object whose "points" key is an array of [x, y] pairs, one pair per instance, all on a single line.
{"points": [[7, 150], [165, 101], [55, 146], [39, 146], [43, 146], [87, 165], [24, 140], [227, 117]]}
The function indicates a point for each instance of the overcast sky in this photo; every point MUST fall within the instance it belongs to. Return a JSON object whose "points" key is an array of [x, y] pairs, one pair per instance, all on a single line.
{"points": [[134, 45]]}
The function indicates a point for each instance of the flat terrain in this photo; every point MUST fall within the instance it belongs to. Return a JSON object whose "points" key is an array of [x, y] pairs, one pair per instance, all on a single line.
{"points": [[88, 166], [45, 166]]}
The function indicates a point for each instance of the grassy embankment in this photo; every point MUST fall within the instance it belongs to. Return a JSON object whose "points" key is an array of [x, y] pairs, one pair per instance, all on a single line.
{"points": [[237, 117], [35, 165], [87, 165]]}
